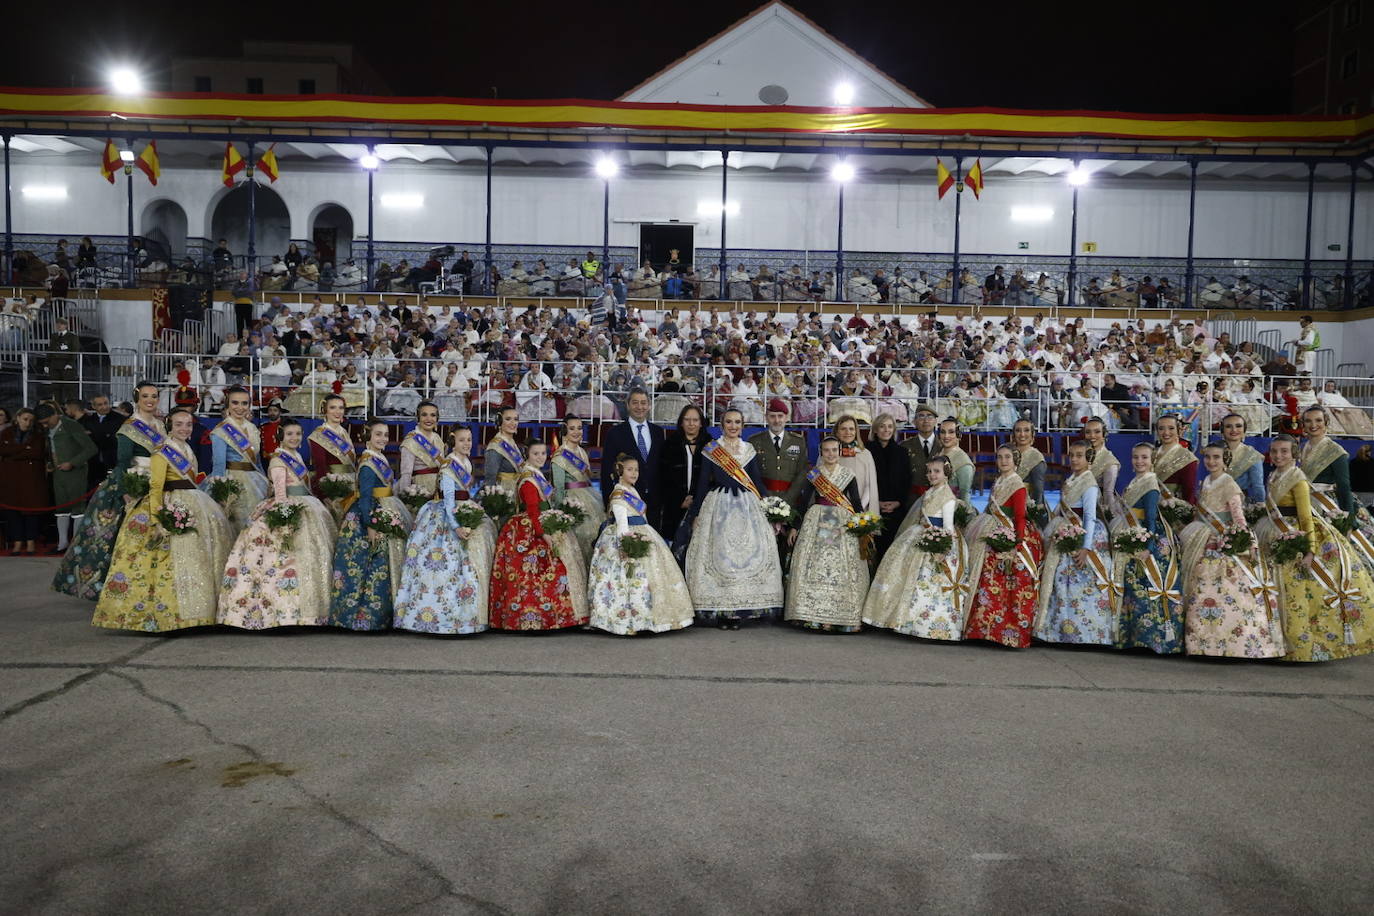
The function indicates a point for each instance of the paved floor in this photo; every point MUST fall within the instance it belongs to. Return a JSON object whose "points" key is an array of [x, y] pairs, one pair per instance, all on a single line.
{"points": [[760, 771]]}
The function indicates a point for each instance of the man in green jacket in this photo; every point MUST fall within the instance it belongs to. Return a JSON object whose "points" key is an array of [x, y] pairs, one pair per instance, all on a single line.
{"points": [[70, 449]]}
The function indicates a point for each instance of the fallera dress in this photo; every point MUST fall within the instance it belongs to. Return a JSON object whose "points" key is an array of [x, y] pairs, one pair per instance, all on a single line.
{"points": [[160, 581], [916, 593], [280, 578], [1151, 612], [532, 586], [572, 483], [367, 573], [627, 596], [1077, 599], [235, 448], [446, 580], [829, 578], [422, 457], [331, 452], [1002, 602]]}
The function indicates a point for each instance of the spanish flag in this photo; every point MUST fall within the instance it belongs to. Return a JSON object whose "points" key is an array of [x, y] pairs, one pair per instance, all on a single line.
{"points": [[943, 178], [267, 163], [109, 161], [148, 162], [974, 179], [233, 164]]}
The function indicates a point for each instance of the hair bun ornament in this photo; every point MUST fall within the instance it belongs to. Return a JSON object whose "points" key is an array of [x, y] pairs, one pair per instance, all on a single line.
{"points": [[337, 386]]}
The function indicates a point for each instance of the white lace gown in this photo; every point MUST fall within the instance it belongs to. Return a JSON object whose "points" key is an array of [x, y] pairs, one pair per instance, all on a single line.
{"points": [[829, 578]]}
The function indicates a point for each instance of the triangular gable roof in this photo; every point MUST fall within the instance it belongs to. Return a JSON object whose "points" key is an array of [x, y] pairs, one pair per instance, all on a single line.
{"points": [[773, 46]]}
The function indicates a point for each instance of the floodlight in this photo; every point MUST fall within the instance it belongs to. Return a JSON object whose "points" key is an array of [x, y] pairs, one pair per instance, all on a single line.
{"points": [[126, 81], [844, 94], [369, 161], [606, 167], [842, 171]]}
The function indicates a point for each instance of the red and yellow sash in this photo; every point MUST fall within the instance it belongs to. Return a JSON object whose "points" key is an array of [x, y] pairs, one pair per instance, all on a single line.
{"points": [[826, 487], [727, 463]]}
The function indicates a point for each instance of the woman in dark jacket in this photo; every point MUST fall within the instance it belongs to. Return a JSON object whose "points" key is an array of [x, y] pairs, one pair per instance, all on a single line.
{"points": [[680, 467], [894, 479], [24, 469]]}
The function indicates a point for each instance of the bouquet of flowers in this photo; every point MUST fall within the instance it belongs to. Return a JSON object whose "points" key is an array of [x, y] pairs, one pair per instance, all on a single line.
{"points": [[336, 486], [1177, 512], [579, 515], [934, 540], [862, 524], [414, 498], [136, 482], [1132, 540], [634, 546], [175, 519], [1254, 512], [1069, 537], [1000, 539], [777, 510], [285, 516], [1290, 546], [1344, 522], [963, 515], [223, 490], [387, 523], [497, 503], [1038, 513], [1234, 540], [556, 521], [468, 514]]}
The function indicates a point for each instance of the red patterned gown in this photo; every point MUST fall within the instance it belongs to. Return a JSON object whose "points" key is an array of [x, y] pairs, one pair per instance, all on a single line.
{"points": [[1003, 599], [530, 587]]}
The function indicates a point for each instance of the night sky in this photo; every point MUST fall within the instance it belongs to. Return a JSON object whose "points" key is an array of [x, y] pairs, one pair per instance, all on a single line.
{"points": [[1162, 56]]}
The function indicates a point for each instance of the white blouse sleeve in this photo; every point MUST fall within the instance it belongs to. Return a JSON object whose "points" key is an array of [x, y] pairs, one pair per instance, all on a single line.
{"points": [[947, 515], [622, 517]]}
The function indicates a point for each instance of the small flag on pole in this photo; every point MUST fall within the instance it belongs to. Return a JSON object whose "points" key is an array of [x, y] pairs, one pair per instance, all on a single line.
{"points": [[109, 161], [148, 162], [267, 163], [974, 179], [943, 178], [233, 164]]}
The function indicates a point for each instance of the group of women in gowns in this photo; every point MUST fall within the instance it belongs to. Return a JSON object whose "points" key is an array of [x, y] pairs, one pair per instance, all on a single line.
{"points": [[1185, 589]]}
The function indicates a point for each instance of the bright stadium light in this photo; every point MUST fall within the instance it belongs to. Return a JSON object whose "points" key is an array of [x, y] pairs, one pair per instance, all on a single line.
{"points": [[369, 162], [1032, 214], [606, 167], [1079, 176], [844, 94], [126, 155], [45, 192], [403, 201], [126, 81], [842, 172], [713, 208]]}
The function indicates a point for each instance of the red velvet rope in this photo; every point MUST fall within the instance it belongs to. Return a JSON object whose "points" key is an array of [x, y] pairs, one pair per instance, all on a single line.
{"points": [[34, 509]]}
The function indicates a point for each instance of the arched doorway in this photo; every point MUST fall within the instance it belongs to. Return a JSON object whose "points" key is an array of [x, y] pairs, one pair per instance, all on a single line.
{"points": [[331, 229], [230, 221], [164, 230]]}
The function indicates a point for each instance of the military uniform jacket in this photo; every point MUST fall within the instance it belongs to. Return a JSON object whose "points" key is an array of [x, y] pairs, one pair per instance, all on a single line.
{"points": [[787, 465]]}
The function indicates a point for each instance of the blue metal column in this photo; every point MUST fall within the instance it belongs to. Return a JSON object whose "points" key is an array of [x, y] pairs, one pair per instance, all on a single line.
{"points": [[486, 279], [1188, 279], [606, 229], [956, 288], [841, 286], [1306, 297], [9, 213], [252, 218], [129, 227], [371, 249], [1072, 281], [724, 287], [1350, 243]]}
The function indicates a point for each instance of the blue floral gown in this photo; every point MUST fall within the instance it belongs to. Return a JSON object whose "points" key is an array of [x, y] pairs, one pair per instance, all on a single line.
{"points": [[1145, 620], [1075, 602], [366, 574], [445, 580]]}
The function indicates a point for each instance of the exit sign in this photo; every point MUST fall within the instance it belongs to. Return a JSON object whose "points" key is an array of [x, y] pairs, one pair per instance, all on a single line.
{"points": [[1334, 247], [1089, 247], [1023, 245]]}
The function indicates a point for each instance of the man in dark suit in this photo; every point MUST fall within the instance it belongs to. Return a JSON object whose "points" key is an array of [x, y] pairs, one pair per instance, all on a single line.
{"points": [[635, 436], [919, 448], [103, 424]]}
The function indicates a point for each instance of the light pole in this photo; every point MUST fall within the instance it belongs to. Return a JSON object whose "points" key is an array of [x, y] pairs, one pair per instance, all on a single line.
{"points": [[1078, 176], [369, 162], [842, 173], [127, 157], [607, 168], [9, 222]]}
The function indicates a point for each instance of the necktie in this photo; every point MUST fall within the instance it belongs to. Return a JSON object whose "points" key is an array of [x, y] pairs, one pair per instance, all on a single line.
{"points": [[777, 442], [925, 447], [643, 443]]}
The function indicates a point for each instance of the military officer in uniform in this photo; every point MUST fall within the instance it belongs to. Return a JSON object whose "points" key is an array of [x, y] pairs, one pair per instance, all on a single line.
{"points": [[919, 448], [782, 454], [64, 349]]}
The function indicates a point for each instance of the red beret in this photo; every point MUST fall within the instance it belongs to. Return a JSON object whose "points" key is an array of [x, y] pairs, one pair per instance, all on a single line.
{"points": [[778, 405]]}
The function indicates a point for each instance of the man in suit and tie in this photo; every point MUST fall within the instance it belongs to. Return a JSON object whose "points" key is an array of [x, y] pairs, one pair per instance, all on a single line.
{"points": [[782, 454], [635, 436], [919, 448], [103, 425]]}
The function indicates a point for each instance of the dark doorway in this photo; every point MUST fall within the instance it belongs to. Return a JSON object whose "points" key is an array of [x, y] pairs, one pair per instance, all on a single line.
{"points": [[325, 242], [657, 241], [332, 234]]}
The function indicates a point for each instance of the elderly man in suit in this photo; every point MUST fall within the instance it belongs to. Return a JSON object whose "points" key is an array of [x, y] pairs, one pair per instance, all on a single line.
{"points": [[920, 448], [635, 436]]}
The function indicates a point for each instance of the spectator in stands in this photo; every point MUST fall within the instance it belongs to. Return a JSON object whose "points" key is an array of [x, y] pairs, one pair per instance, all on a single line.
{"points": [[995, 287], [64, 355], [591, 266], [1149, 293], [1280, 366], [58, 285], [243, 301], [85, 254], [23, 465]]}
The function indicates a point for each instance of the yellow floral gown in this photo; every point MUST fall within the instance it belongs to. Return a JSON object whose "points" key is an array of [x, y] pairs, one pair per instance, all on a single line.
{"points": [[160, 581]]}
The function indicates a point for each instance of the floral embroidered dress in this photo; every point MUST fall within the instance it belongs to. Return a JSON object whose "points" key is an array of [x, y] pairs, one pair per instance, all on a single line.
{"points": [[732, 556], [534, 587], [1322, 617], [1226, 607], [331, 452], [280, 578], [366, 573], [445, 580], [960, 483], [160, 581], [916, 593], [1077, 602], [84, 567], [572, 483], [1151, 612], [829, 578], [1326, 465], [628, 596], [501, 463], [1001, 604], [422, 458], [235, 447]]}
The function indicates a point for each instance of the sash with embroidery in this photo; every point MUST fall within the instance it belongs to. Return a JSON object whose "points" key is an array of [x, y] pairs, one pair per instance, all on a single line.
{"points": [[1243, 458], [1170, 462], [154, 437], [333, 442], [1317, 458], [236, 437], [380, 466], [293, 462], [1338, 590], [728, 463], [461, 475], [1326, 502], [826, 487], [509, 450], [572, 461], [176, 458], [630, 499], [541, 484], [427, 448], [1027, 461]]}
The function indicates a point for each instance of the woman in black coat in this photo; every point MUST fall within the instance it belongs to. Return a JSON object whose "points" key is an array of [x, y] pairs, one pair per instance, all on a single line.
{"points": [[894, 479], [680, 467]]}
